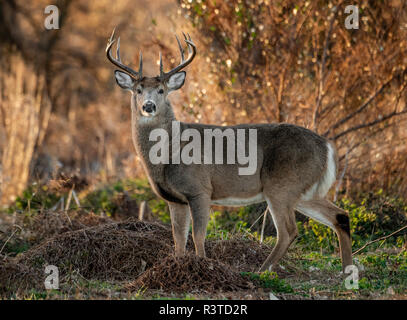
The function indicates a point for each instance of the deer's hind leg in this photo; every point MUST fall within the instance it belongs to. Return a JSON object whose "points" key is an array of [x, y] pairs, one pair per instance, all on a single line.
{"points": [[334, 217], [180, 220], [284, 221]]}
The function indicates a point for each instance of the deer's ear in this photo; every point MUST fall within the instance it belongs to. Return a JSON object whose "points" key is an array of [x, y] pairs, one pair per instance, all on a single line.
{"points": [[124, 80], [176, 81]]}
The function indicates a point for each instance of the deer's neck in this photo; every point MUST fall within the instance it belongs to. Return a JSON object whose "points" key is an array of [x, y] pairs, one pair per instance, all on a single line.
{"points": [[142, 128]]}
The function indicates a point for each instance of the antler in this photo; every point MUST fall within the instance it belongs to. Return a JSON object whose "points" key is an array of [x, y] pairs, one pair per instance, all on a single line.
{"points": [[118, 63], [184, 63]]}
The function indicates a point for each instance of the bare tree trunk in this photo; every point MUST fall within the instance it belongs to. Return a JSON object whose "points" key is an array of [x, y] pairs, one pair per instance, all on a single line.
{"points": [[23, 103]]}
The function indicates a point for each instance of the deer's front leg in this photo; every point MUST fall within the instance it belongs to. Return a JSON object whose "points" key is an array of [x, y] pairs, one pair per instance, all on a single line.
{"points": [[200, 206], [180, 219]]}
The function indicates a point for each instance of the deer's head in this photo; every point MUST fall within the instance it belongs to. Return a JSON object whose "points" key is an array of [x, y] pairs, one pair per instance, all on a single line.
{"points": [[149, 94]]}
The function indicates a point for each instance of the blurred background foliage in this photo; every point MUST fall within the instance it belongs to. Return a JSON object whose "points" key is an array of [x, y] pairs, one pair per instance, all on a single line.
{"points": [[258, 61]]}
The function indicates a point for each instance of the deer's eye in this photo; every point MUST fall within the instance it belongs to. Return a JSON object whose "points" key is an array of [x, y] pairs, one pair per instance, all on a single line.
{"points": [[138, 91], [161, 91]]}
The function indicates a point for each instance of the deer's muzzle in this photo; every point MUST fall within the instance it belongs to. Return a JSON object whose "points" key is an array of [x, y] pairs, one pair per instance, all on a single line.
{"points": [[149, 107]]}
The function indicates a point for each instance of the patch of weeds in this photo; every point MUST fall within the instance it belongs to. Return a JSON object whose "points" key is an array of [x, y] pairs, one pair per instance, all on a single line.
{"points": [[34, 197], [270, 280], [41, 295], [14, 248], [383, 270], [160, 209], [223, 224], [124, 196], [373, 216], [101, 285], [318, 261]]}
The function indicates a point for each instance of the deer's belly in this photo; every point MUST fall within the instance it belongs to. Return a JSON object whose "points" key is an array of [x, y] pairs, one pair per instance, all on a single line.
{"points": [[238, 202]]}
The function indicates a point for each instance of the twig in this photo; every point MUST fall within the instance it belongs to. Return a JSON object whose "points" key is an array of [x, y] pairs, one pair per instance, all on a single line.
{"points": [[68, 201], [8, 239], [369, 124], [62, 203], [363, 106], [366, 138], [142, 210], [379, 239], [75, 197], [255, 221], [56, 205]]}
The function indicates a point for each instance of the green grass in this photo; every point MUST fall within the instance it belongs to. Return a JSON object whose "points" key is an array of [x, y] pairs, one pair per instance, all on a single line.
{"points": [[269, 280]]}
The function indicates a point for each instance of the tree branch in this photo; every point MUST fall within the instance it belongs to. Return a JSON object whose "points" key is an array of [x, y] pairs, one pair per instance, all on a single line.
{"points": [[362, 107], [377, 121]]}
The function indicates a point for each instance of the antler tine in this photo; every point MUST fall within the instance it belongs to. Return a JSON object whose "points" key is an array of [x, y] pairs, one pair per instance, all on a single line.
{"points": [[111, 39], [186, 40], [117, 62], [161, 65], [118, 50], [189, 43], [191, 55], [180, 49], [140, 68]]}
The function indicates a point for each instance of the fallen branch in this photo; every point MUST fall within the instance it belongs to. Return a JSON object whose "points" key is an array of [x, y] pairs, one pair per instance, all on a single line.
{"points": [[379, 239]]}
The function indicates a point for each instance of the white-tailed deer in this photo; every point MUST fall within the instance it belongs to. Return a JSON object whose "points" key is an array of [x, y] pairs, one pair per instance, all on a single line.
{"points": [[294, 166]]}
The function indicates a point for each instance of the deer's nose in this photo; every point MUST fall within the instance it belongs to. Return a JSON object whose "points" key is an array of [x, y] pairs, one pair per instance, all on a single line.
{"points": [[149, 107]]}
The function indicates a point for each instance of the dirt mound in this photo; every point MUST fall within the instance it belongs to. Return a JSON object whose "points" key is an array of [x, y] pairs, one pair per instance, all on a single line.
{"points": [[191, 274], [241, 253], [113, 251]]}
